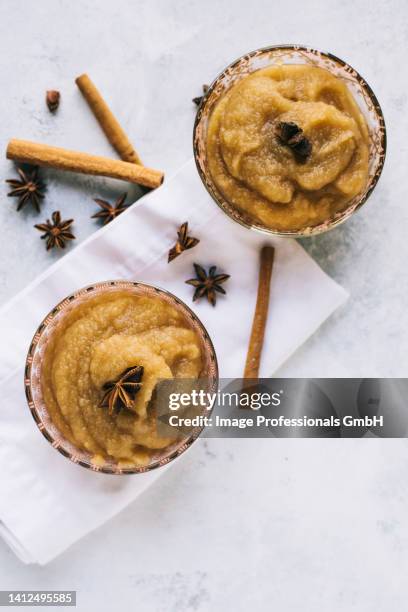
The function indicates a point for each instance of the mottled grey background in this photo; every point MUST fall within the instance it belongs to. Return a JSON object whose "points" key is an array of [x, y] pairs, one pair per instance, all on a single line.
{"points": [[237, 524]]}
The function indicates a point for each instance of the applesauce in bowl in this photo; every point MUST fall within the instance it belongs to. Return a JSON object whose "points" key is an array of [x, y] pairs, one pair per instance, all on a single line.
{"points": [[289, 140], [115, 331]]}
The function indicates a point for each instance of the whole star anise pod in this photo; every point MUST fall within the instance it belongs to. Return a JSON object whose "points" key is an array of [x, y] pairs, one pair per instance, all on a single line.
{"points": [[292, 135], [56, 233], [52, 99], [29, 190], [184, 242], [207, 284], [121, 393], [197, 101], [110, 211]]}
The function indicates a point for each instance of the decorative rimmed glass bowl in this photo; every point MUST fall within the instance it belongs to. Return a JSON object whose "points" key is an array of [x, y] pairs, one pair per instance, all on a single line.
{"points": [[292, 54], [32, 376]]}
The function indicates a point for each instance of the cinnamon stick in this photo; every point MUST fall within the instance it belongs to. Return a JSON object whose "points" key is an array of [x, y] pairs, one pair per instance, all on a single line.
{"points": [[107, 120], [261, 314], [75, 161]]}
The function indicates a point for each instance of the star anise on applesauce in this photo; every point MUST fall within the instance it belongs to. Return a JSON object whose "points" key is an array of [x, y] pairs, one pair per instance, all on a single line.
{"points": [[110, 211], [184, 242], [207, 285], [292, 136], [56, 233], [121, 393], [29, 190]]}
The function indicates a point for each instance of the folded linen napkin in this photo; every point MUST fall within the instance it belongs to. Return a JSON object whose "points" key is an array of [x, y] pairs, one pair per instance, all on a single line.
{"points": [[47, 502]]}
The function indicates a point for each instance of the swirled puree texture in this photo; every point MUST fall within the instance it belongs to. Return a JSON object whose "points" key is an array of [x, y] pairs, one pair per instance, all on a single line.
{"points": [[95, 344], [261, 176]]}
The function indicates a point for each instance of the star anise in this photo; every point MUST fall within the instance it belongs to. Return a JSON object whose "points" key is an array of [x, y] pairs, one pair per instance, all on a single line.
{"points": [[197, 101], [184, 242], [292, 135], [56, 233], [29, 189], [110, 211], [207, 284], [121, 393]]}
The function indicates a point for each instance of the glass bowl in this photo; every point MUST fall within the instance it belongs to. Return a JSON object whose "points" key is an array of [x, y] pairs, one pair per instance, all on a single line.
{"points": [[32, 376], [292, 54]]}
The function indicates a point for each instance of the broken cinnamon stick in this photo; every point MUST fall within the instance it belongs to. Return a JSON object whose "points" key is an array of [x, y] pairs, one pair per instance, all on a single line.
{"points": [[261, 314], [107, 120], [75, 161]]}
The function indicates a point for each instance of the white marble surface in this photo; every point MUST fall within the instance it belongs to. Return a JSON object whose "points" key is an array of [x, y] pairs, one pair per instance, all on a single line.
{"points": [[288, 525]]}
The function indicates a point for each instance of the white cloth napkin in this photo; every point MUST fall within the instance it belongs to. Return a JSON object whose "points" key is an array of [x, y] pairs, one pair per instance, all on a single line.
{"points": [[47, 502]]}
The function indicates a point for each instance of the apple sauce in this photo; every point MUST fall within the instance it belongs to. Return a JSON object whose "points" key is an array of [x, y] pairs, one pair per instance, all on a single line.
{"points": [[257, 172], [94, 344]]}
